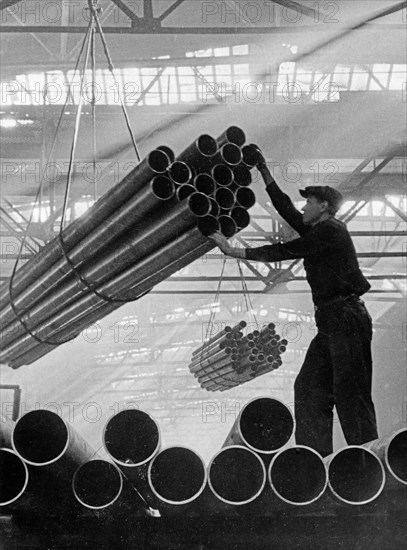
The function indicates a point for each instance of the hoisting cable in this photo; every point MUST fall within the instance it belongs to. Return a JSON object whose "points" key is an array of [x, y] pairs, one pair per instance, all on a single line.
{"points": [[91, 287], [246, 295], [36, 200], [88, 41], [93, 105], [111, 69], [213, 311]]}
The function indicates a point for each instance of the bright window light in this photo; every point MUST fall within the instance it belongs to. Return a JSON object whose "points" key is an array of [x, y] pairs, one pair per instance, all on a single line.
{"points": [[8, 123]]}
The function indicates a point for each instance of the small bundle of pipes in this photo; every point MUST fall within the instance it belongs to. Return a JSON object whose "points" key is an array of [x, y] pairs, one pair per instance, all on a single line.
{"points": [[153, 223], [231, 358]]}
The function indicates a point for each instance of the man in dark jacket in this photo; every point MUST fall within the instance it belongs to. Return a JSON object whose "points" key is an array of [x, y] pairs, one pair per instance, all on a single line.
{"points": [[337, 370]]}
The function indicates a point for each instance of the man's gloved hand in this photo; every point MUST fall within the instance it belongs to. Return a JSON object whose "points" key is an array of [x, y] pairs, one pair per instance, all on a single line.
{"points": [[261, 159], [220, 240]]}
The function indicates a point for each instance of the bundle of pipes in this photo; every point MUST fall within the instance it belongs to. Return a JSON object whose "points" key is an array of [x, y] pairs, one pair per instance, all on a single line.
{"points": [[154, 222], [231, 358]]}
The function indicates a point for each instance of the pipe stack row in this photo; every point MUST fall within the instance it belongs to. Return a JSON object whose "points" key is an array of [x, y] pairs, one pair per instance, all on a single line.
{"points": [[154, 222], [256, 472], [232, 358]]}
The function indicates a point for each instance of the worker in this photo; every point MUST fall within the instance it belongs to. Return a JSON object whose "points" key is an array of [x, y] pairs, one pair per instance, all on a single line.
{"points": [[337, 370]]}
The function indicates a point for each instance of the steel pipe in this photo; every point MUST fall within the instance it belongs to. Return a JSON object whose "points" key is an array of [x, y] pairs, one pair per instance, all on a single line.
{"points": [[34, 492], [216, 347], [222, 175], [228, 329], [179, 172], [215, 374], [97, 484], [42, 438], [184, 191], [132, 439], [133, 248], [251, 155], [228, 226], [219, 363], [13, 477], [155, 163], [136, 280], [233, 134], [209, 364], [224, 197], [211, 354], [236, 476], [199, 152], [168, 151], [177, 477], [298, 475], [240, 216], [392, 451], [125, 219], [205, 184], [207, 225], [264, 425], [245, 197], [241, 175], [355, 475], [229, 154], [215, 210]]}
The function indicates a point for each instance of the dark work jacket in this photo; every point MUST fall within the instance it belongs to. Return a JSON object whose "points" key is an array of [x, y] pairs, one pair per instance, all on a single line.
{"points": [[330, 261]]}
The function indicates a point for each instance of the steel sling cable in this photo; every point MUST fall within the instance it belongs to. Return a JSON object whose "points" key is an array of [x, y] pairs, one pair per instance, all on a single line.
{"points": [[213, 312], [246, 295], [17, 313], [90, 287], [111, 69]]}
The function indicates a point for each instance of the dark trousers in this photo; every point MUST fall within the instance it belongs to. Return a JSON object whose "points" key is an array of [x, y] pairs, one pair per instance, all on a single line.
{"points": [[337, 371]]}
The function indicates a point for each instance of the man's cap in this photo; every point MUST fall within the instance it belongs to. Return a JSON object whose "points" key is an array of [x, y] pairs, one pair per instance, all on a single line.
{"points": [[324, 193]]}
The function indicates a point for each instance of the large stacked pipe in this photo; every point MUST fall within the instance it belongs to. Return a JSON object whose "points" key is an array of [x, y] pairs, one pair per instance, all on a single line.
{"points": [[132, 439], [356, 475], [264, 425], [392, 451], [236, 479], [43, 438], [52, 295], [52, 451], [100, 485], [298, 476], [177, 476], [13, 477], [232, 358]]}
